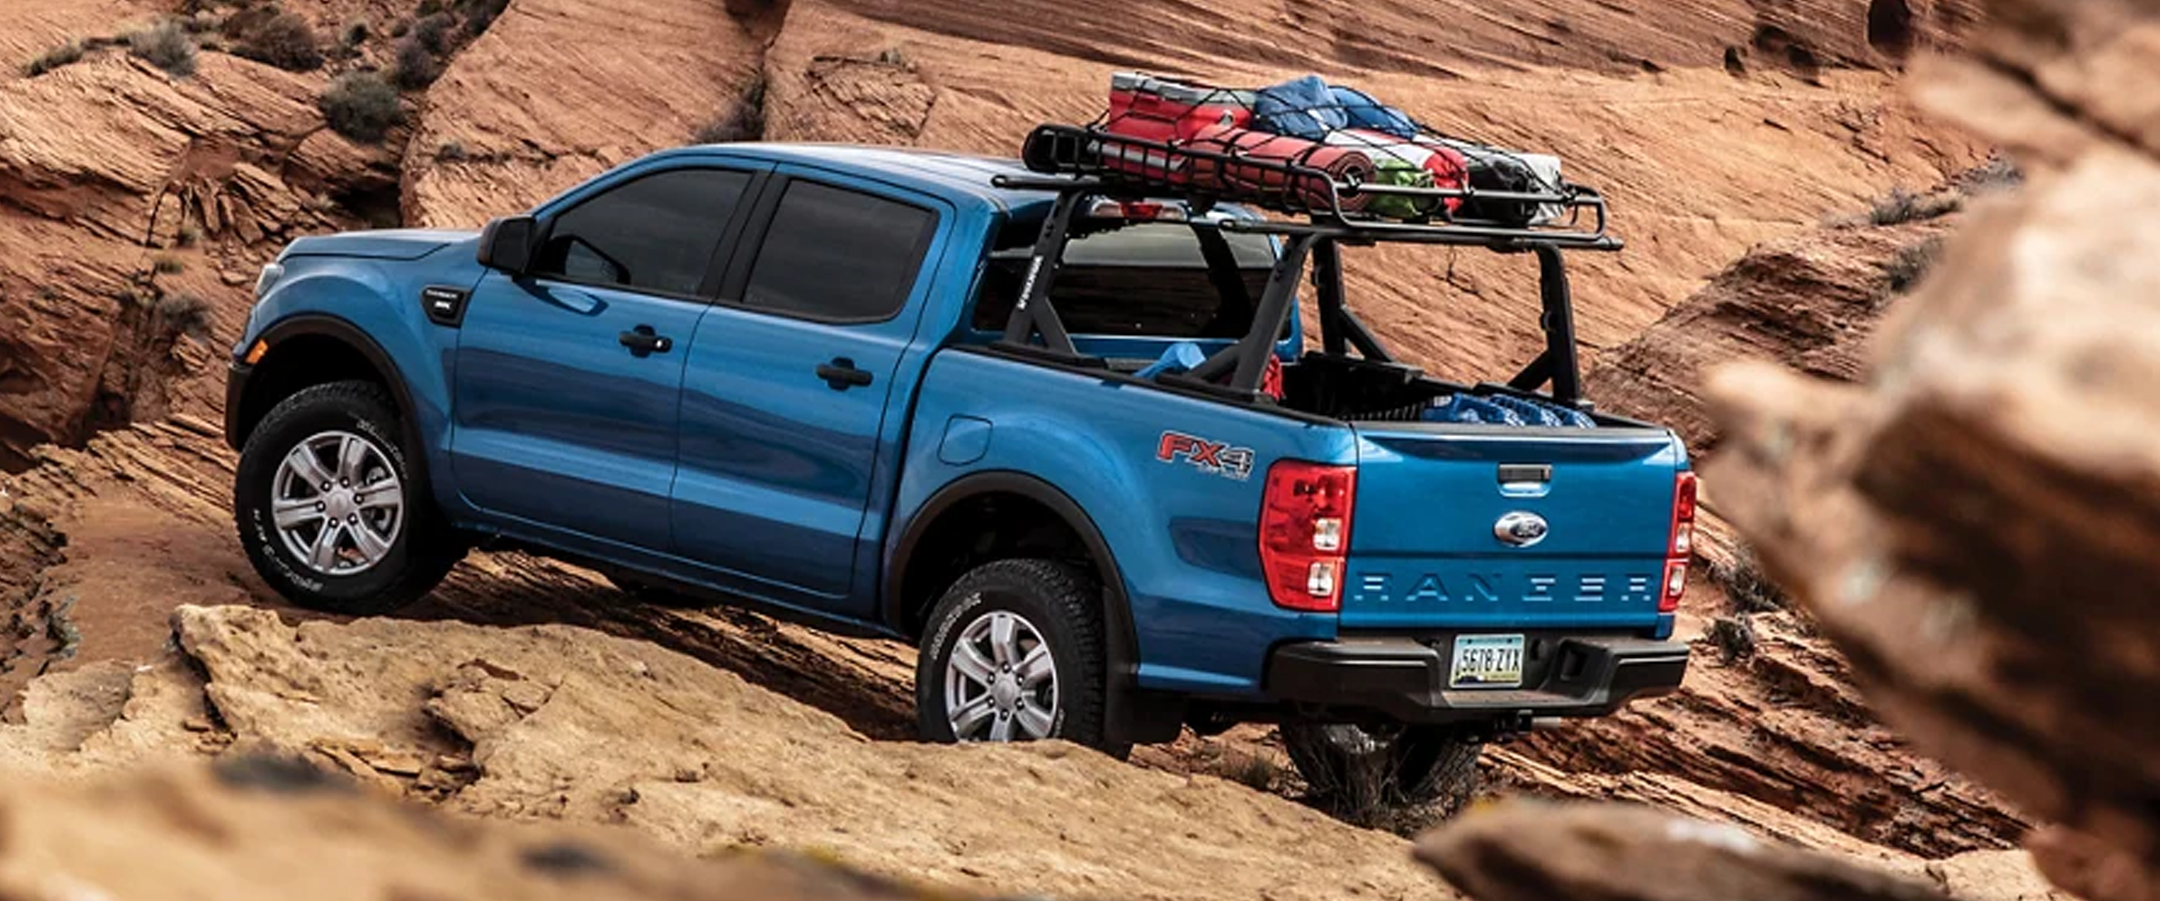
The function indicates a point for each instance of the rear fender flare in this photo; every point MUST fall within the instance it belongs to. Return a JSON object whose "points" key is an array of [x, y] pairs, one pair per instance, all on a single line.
{"points": [[1124, 653]]}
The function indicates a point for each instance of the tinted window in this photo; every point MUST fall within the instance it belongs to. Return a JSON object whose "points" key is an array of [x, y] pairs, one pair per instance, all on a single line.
{"points": [[838, 255], [1145, 280], [657, 233]]}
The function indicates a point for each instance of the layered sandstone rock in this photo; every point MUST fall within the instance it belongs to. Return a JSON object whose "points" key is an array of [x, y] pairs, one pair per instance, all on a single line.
{"points": [[1974, 524]]}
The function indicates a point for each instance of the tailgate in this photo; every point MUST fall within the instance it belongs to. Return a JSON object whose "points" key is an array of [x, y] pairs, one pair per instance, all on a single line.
{"points": [[1587, 514]]}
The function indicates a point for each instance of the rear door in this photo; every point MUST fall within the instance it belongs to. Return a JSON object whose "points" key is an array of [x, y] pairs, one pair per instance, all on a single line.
{"points": [[789, 380], [568, 381], [1466, 527]]}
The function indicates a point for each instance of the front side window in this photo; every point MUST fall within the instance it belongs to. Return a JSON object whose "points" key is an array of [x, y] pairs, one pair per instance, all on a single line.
{"points": [[657, 233], [839, 256]]}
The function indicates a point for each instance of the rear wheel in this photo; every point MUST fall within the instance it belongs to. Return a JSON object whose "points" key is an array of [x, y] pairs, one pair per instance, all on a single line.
{"points": [[328, 508], [1377, 775], [1014, 652]]}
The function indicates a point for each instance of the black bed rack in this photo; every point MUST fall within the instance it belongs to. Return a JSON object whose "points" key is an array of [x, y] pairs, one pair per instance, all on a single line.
{"points": [[1089, 158], [1319, 242]]}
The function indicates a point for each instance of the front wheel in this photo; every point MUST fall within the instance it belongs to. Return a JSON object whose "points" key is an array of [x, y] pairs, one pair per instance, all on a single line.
{"points": [[1014, 652], [1374, 775], [328, 508]]}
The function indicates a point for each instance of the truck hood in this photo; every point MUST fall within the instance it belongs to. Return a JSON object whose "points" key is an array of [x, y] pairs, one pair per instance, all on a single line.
{"points": [[388, 244]]}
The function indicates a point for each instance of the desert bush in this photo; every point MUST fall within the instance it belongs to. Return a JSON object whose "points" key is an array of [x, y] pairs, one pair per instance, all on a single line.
{"points": [[63, 55], [166, 45], [1911, 263], [187, 313], [1366, 777], [168, 265], [480, 14], [356, 33], [746, 122], [433, 32], [451, 152], [283, 40], [1901, 206], [1733, 636], [1998, 173], [361, 106], [191, 234], [1251, 770], [1747, 585], [415, 65]]}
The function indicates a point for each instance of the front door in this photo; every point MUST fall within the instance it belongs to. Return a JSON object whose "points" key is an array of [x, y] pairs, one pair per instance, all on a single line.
{"points": [[787, 388], [569, 379]]}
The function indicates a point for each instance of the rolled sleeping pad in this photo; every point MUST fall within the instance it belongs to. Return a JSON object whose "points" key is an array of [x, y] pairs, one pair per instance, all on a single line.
{"points": [[1448, 168], [1342, 164]]}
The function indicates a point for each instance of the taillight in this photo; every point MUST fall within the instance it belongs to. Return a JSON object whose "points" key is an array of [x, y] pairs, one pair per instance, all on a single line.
{"points": [[1305, 533], [1682, 543]]}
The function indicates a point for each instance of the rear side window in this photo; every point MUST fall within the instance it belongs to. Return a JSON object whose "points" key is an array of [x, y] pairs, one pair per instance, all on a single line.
{"points": [[838, 256], [1145, 280], [657, 233]]}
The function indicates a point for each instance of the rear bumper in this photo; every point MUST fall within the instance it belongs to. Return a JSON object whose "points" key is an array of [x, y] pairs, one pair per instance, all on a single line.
{"points": [[1405, 679]]}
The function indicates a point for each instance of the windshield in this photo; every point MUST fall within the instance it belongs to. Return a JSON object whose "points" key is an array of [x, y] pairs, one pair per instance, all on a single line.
{"points": [[1146, 280]]}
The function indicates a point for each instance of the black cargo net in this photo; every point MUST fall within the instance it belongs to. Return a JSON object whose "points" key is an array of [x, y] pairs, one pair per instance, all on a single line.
{"points": [[1305, 147]]}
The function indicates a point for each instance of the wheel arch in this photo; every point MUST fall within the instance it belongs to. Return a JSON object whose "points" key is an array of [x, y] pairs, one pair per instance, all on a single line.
{"points": [[903, 603], [311, 349]]}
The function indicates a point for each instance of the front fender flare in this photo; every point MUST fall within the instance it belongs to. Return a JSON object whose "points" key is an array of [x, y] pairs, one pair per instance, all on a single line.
{"points": [[338, 329]]}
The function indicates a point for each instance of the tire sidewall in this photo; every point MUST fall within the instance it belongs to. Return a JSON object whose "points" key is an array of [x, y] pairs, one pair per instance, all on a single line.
{"points": [[970, 600], [310, 414]]}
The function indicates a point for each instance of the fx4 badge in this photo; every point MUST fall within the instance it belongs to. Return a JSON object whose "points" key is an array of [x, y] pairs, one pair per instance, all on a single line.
{"points": [[1220, 459]]}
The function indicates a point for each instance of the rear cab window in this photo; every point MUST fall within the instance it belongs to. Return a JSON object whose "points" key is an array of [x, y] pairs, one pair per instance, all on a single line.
{"points": [[1132, 289]]}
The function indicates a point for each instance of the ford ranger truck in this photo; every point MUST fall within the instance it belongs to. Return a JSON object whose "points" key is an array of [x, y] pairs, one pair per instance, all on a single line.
{"points": [[1063, 434]]}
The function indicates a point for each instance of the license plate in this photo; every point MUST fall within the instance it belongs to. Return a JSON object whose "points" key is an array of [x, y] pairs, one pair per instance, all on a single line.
{"points": [[1487, 661]]}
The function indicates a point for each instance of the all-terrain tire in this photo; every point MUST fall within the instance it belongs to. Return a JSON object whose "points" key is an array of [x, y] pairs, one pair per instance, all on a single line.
{"points": [[1060, 602], [418, 557], [1371, 777]]}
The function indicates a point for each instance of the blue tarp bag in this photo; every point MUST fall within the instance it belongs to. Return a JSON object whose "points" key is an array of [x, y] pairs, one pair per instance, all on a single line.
{"points": [[1180, 357], [1464, 408], [1363, 111], [1538, 412], [1301, 108], [1534, 414]]}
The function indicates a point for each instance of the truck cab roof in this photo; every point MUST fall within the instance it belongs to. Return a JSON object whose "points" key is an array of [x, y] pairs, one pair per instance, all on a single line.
{"points": [[951, 175]]}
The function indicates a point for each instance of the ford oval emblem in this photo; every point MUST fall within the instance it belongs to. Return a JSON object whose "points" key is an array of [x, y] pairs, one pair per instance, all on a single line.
{"points": [[1520, 528]]}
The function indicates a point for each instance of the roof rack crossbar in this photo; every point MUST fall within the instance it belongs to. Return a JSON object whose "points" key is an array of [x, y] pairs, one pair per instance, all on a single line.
{"points": [[1462, 235]]}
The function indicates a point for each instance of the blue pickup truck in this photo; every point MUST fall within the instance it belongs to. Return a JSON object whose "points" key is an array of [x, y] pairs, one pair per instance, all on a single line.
{"points": [[1071, 437]]}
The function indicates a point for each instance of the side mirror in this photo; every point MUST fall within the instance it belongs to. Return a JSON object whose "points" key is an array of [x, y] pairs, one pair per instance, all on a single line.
{"points": [[507, 244]]}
